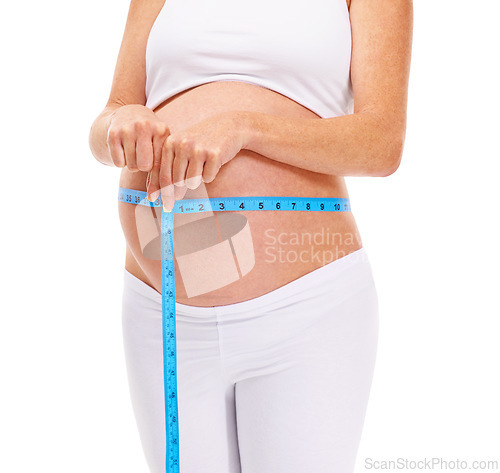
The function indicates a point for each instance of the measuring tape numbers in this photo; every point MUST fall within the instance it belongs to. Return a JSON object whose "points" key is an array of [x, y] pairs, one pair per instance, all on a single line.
{"points": [[219, 204]]}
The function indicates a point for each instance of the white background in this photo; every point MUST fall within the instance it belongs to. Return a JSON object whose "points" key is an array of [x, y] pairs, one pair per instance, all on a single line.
{"points": [[431, 230]]}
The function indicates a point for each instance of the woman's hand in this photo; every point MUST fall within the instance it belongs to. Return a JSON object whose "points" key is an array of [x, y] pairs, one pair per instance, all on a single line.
{"points": [[135, 137], [193, 155]]}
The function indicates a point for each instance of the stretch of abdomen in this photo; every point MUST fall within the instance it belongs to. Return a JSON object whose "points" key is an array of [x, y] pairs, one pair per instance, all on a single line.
{"points": [[285, 245]]}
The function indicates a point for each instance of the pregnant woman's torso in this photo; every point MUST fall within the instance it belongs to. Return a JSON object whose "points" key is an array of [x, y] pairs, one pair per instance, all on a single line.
{"points": [[285, 244]]}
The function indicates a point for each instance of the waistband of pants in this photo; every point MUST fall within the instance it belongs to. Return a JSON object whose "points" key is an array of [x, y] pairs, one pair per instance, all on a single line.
{"points": [[322, 275]]}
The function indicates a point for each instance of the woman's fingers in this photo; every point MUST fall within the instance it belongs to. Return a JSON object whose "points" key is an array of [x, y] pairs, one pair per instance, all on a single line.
{"points": [[179, 169], [194, 171], [184, 164], [129, 146], [153, 182], [115, 148], [212, 166], [179, 192], [188, 163], [140, 141], [133, 135], [153, 185], [165, 177], [181, 151], [144, 153]]}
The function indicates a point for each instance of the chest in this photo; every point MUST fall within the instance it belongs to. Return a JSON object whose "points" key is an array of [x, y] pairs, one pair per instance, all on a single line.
{"points": [[289, 34]]}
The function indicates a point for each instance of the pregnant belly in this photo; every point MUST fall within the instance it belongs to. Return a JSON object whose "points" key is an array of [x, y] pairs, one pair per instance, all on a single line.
{"points": [[228, 257]]}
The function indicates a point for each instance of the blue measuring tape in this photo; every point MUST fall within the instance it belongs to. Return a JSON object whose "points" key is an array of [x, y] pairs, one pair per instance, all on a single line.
{"points": [[219, 204]]}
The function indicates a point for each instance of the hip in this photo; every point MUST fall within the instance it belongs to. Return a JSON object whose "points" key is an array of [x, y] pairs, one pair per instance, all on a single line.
{"points": [[335, 284]]}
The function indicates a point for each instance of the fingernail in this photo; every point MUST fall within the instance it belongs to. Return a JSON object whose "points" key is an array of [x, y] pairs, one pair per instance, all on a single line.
{"points": [[165, 210], [155, 195], [193, 182]]}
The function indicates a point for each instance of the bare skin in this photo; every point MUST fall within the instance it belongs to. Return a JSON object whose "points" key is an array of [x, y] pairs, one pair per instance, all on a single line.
{"points": [[265, 166], [249, 174]]}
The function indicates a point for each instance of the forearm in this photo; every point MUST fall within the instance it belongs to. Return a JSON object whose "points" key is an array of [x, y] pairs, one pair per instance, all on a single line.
{"points": [[99, 133], [351, 145]]}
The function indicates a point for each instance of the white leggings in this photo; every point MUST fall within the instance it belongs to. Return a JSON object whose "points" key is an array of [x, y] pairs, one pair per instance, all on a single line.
{"points": [[275, 384]]}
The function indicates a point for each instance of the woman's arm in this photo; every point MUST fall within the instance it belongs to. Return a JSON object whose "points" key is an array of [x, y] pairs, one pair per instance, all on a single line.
{"points": [[370, 141], [126, 133]]}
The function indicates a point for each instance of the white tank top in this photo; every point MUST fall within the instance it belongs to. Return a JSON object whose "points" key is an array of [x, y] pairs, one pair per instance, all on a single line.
{"points": [[299, 48]]}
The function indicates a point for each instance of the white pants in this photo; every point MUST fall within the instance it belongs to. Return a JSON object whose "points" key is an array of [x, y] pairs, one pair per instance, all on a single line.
{"points": [[275, 384]]}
